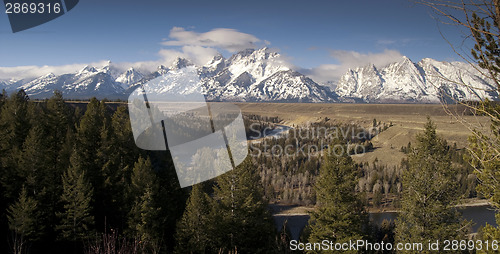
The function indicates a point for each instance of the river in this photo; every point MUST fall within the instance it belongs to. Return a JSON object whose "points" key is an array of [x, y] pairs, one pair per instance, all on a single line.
{"points": [[479, 215], [276, 132]]}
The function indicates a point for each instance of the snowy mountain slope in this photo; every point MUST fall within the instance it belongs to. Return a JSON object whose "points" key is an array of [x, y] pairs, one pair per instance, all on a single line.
{"points": [[290, 86], [129, 77], [429, 81], [250, 75], [86, 83], [471, 86], [3, 84]]}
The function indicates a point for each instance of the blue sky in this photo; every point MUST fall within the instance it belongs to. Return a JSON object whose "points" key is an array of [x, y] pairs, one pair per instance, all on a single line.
{"points": [[311, 34]]}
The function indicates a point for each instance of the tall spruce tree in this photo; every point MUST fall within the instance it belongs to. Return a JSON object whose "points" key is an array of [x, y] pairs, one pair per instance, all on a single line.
{"points": [[15, 122], [171, 197], [14, 127], [76, 220], [23, 222], [3, 98], [240, 213], [194, 229], [91, 130], [119, 152], [59, 122], [144, 217], [430, 193], [340, 215], [40, 178]]}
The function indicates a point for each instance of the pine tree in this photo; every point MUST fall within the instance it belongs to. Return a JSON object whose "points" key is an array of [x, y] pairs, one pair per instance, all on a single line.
{"points": [[88, 154], [340, 215], [14, 120], [144, 217], [123, 139], [88, 135], [119, 154], [430, 191], [171, 197], [14, 127], [76, 220], [240, 212], [22, 217], [3, 98], [59, 123], [40, 179], [33, 162], [194, 229]]}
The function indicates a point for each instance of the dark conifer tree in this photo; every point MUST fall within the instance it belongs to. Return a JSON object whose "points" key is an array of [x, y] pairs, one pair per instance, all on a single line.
{"points": [[23, 222], [120, 153], [145, 222], [194, 229], [88, 154], [340, 215], [76, 220], [240, 213], [14, 127], [430, 192]]}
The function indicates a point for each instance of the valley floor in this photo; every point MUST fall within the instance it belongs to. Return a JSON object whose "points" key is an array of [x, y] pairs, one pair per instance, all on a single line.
{"points": [[407, 120]]}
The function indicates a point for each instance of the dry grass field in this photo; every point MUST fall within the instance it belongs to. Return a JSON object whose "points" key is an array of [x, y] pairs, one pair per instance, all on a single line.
{"points": [[407, 120]]}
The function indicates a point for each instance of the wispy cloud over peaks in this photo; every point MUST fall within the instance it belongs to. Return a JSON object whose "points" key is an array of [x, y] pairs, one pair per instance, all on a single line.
{"points": [[225, 38], [202, 47], [350, 60]]}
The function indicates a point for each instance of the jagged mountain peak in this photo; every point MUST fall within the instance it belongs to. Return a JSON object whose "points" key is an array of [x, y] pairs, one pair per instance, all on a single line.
{"points": [[161, 70], [244, 53], [49, 75], [180, 63], [217, 57], [254, 55], [215, 60], [129, 77], [107, 66], [87, 69]]}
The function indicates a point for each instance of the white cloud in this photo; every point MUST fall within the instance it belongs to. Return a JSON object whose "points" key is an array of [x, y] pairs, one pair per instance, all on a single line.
{"points": [[33, 71], [202, 47], [143, 66], [350, 60], [169, 55], [198, 54], [356, 59], [228, 39]]}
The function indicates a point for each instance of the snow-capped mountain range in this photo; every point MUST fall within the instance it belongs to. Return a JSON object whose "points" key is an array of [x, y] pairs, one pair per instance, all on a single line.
{"points": [[263, 76], [428, 81]]}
